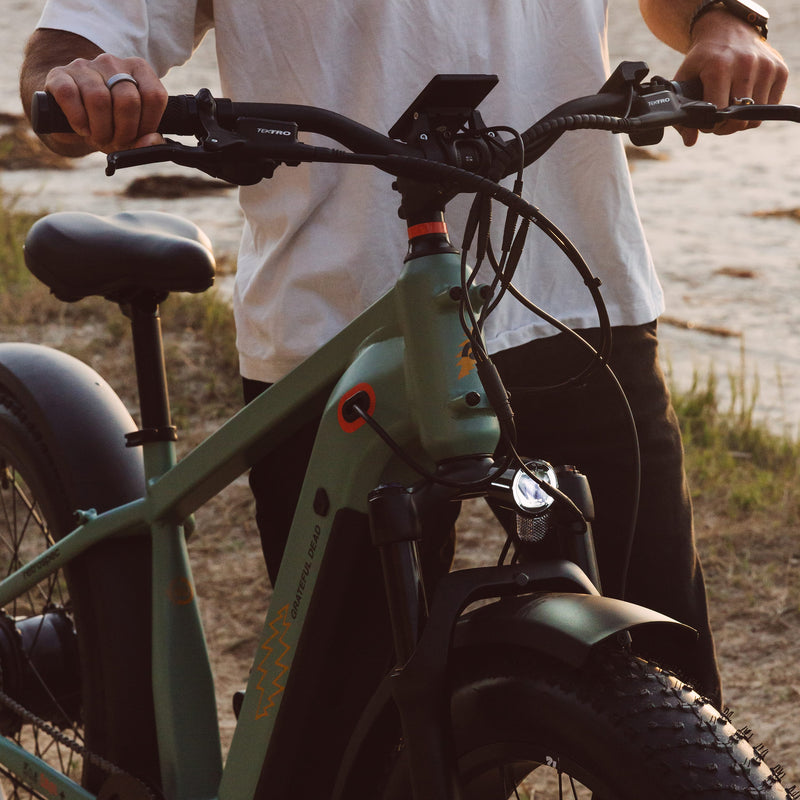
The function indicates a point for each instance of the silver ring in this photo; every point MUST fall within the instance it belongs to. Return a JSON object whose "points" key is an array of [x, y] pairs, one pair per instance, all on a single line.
{"points": [[119, 77], [743, 101]]}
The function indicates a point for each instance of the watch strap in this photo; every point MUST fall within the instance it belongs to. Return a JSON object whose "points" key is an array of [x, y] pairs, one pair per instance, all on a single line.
{"points": [[742, 12]]}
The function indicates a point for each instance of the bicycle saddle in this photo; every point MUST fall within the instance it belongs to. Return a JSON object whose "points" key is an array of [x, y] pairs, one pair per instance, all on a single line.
{"points": [[119, 256]]}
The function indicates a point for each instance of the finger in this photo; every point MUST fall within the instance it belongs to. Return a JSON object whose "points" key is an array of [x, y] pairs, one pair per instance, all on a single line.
{"points": [[109, 117], [80, 89], [64, 88], [716, 81], [776, 80], [689, 135], [153, 98], [138, 105], [149, 139], [126, 111], [719, 90], [747, 86]]}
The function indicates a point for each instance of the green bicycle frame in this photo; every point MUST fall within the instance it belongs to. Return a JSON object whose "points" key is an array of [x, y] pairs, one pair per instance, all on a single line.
{"points": [[408, 354]]}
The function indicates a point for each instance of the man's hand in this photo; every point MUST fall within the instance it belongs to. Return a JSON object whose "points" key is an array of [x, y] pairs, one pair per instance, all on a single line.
{"points": [[76, 72], [733, 62], [729, 56], [117, 118]]}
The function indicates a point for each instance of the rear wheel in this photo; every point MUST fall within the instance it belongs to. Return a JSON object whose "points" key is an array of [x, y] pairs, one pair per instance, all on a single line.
{"points": [[527, 726], [74, 650]]}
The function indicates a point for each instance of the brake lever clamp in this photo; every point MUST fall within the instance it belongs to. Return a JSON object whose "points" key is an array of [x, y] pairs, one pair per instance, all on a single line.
{"points": [[219, 153], [655, 104], [662, 107]]}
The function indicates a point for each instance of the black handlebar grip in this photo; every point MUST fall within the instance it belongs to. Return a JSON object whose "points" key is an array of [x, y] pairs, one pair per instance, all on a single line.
{"points": [[180, 117], [46, 116]]}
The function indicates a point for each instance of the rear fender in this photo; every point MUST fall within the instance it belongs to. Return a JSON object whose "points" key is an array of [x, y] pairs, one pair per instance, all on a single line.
{"points": [[83, 424], [82, 420]]}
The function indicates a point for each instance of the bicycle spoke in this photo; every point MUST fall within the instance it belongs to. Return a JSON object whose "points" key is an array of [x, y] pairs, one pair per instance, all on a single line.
{"points": [[24, 534], [27, 535], [546, 782]]}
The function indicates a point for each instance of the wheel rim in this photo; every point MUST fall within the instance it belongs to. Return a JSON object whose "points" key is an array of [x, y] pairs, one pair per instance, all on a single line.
{"points": [[24, 533], [510, 771]]}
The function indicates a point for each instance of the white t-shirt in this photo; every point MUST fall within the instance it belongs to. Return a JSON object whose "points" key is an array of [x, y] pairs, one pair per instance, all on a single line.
{"points": [[321, 242]]}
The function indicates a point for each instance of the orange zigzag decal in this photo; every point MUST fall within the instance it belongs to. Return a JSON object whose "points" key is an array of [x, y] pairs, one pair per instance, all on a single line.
{"points": [[280, 625]]}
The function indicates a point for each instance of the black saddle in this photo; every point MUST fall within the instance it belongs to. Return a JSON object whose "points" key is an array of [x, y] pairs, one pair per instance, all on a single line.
{"points": [[120, 257]]}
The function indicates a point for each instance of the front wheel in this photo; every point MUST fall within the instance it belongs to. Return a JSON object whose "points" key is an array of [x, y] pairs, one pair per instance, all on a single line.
{"points": [[527, 726]]}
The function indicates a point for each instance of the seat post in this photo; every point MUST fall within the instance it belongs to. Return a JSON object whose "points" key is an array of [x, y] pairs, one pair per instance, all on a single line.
{"points": [[151, 375]]}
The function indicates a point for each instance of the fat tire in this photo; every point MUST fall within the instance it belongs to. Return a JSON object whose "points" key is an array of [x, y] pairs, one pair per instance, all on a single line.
{"points": [[621, 726], [109, 604]]}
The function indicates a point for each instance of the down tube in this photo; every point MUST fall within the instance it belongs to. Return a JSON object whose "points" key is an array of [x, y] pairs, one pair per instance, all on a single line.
{"points": [[362, 456], [348, 461]]}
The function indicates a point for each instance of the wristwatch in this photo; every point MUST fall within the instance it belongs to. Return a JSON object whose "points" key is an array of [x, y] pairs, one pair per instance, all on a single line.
{"points": [[747, 10]]}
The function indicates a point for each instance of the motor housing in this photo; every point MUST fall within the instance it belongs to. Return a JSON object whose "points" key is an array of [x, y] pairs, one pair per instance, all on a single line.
{"points": [[40, 669]]}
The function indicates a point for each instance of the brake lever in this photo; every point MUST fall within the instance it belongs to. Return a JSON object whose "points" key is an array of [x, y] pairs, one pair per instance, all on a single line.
{"points": [[153, 154], [667, 105], [243, 157], [649, 127], [752, 112], [220, 162]]}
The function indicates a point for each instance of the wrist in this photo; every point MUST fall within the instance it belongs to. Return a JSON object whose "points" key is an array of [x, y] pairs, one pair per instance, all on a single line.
{"points": [[748, 12], [719, 26]]}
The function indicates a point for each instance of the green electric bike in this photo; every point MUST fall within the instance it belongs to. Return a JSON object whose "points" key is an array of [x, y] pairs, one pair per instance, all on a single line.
{"points": [[516, 679]]}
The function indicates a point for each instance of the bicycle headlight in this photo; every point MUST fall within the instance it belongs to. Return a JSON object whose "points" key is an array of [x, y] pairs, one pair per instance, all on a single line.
{"points": [[529, 495]]}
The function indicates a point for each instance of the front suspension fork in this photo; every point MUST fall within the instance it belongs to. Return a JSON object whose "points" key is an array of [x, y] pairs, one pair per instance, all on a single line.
{"points": [[422, 637], [423, 707]]}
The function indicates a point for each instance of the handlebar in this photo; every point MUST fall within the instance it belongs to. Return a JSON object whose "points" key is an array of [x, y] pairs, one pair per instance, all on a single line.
{"points": [[244, 142], [182, 117]]}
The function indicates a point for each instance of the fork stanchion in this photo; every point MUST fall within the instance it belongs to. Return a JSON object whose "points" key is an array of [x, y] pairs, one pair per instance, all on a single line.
{"points": [[395, 532], [395, 528]]}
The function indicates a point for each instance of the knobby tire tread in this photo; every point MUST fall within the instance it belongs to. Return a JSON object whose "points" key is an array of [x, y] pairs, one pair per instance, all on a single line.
{"points": [[622, 726]]}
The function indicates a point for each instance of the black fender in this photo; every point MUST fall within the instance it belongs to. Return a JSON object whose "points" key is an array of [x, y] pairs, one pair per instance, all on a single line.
{"points": [[82, 420], [550, 608], [565, 625], [83, 424]]}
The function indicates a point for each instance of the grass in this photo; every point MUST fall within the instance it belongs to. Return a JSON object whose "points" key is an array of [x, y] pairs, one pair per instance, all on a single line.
{"points": [[743, 464], [13, 225]]}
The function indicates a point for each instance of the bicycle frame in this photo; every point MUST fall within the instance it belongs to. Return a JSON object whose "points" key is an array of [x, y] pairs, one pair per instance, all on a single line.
{"points": [[407, 353]]}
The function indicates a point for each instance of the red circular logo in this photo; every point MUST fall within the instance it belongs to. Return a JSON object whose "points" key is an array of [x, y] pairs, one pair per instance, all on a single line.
{"points": [[349, 421]]}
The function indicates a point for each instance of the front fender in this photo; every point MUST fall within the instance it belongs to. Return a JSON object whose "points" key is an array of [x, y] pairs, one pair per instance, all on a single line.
{"points": [[82, 420], [564, 625], [550, 608]]}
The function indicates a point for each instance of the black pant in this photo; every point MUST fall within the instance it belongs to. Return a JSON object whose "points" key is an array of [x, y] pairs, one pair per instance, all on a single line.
{"points": [[585, 426]]}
